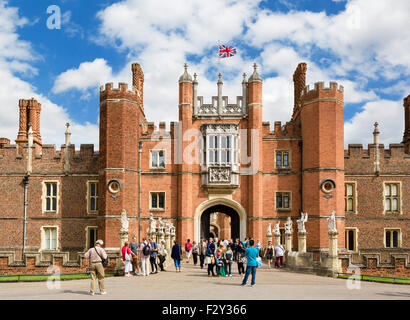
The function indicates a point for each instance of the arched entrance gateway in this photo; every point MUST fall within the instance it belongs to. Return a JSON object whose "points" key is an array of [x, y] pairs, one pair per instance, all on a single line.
{"points": [[231, 208]]}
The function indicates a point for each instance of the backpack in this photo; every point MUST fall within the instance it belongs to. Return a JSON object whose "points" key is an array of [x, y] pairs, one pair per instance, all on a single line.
{"points": [[146, 251], [228, 256]]}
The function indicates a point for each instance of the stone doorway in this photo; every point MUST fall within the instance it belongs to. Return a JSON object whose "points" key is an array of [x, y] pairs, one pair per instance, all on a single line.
{"points": [[224, 220]]}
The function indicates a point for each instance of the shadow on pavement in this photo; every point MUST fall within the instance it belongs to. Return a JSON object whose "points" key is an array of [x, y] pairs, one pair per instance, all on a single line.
{"points": [[86, 293], [395, 294]]}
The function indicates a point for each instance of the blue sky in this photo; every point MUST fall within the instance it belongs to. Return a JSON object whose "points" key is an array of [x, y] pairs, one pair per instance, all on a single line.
{"points": [[361, 44]]}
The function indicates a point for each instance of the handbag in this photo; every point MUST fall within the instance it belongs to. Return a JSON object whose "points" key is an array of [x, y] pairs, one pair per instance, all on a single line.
{"points": [[104, 262], [259, 260], [207, 260], [127, 256]]}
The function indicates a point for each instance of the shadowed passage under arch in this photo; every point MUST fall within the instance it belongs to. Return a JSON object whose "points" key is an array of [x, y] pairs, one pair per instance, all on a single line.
{"points": [[206, 219]]}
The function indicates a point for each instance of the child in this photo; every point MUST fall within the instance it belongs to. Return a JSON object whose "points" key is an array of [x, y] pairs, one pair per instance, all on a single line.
{"points": [[228, 261], [219, 264], [241, 262]]}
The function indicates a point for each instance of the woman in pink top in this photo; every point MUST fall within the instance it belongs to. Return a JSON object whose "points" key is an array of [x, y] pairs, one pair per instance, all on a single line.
{"points": [[127, 258]]}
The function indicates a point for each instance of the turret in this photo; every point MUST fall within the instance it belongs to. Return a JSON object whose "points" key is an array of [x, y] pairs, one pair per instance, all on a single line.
{"points": [[185, 95], [321, 115], [406, 136], [185, 205], [120, 115], [254, 152]]}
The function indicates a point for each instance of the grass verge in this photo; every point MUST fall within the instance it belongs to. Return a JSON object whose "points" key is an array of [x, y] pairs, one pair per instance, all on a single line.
{"points": [[34, 278], [398, 280]]}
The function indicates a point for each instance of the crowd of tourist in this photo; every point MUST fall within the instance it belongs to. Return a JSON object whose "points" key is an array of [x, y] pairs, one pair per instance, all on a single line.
{"points": [[217, 255]]}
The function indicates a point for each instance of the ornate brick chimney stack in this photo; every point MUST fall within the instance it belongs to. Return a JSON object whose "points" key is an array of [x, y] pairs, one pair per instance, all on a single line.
{"points": [[299, 82], [29, 113], [138, 82]]}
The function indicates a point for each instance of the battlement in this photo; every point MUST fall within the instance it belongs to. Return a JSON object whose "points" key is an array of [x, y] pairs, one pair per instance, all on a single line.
{"points": [[156, 132], [279, 130], [395, 151], [14, 161], [122, 87], [322, 90]]}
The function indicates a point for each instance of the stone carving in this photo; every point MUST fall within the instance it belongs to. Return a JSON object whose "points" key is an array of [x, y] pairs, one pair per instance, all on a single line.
{"points": [[276, 229], [212, 109], [152, 224], [167, 228], [288, 226], [331, 222], [269, 230], [172, 229], [301, 222], [217, 175], [160, 225], [124, 221], [220, 128]]}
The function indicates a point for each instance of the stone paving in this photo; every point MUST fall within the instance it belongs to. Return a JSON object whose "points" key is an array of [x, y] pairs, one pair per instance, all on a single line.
{"points": [[193, 283]]}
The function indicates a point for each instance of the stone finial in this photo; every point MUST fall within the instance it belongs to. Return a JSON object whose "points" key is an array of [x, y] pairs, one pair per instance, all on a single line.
{"points": [[219, 78], [255, 75], [376, 129], [244, 78], [195, 75], [186, 77], [376, 150], [67, 134], [30, 129]]}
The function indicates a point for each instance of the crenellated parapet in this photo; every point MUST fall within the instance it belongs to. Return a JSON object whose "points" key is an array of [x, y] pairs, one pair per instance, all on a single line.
{"points": [[391, 160], [51, 160], [121, 92], [321, 91], [288, 130]]}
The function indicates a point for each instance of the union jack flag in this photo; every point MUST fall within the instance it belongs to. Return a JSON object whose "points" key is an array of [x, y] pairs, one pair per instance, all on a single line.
{"points": [[226, 51]]}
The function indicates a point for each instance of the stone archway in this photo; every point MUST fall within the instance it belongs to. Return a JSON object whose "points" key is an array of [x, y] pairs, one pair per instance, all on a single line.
{"points": [[227, 206]]}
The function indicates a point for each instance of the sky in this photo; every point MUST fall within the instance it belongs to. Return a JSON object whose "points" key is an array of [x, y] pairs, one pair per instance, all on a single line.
{"points": [[61, 52]]}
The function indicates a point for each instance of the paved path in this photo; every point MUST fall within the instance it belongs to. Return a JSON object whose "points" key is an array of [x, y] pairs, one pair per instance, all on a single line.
{"points": [[193, 283]]}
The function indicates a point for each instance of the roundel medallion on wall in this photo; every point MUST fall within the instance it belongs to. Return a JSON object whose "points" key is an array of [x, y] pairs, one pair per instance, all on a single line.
{"points": [[327, 186], [114, 186]]}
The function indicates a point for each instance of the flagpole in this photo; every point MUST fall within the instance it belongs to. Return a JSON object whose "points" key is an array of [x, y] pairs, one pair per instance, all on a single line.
{"points": [[219, 58]]}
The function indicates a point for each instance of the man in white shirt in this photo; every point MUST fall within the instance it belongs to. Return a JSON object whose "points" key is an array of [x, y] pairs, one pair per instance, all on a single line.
{"points": [[279, 251]]}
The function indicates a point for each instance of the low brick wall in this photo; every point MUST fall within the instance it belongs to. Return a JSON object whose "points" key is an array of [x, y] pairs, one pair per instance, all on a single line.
{"points": [[32, 264], [371, 265]]}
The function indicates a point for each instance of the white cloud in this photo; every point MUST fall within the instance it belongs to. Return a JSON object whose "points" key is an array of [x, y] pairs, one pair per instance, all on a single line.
{"points": [[389, 115], [87, 75], [15, 57], [369, 36]]}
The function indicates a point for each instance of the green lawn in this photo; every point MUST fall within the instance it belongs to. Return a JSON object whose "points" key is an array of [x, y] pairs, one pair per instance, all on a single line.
{"points": [[399, 280], [15, 278]]}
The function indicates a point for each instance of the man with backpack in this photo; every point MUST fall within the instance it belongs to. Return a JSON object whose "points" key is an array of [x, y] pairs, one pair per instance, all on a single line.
{"points": [[153, 256], [145, 256]]}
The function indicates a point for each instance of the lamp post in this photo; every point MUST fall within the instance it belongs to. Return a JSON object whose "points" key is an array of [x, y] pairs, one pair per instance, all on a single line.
{"points": [[139, 191]]}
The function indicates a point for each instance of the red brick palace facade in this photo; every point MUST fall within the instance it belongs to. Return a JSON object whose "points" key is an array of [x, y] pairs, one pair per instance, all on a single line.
{"points": [[219, 157]]}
